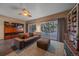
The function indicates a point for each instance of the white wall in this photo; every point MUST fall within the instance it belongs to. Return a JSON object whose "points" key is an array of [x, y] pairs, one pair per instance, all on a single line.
{"points": [[1, 37], [1, 29], [38, 27]]}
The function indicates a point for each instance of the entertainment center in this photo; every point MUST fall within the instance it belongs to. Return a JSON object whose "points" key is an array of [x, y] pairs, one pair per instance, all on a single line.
{"points": [[11, 30]]}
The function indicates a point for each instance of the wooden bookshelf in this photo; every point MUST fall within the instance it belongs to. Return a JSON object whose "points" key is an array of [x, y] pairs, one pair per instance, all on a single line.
{"points": [[73, 25], [11, 30]]}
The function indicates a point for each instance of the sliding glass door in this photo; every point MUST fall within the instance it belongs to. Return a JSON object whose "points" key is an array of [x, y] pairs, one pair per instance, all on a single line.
{"points": [[50, 30]]}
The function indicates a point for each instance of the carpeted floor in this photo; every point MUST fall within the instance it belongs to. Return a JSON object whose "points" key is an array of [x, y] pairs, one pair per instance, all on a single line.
{"points": [[55, 49]]}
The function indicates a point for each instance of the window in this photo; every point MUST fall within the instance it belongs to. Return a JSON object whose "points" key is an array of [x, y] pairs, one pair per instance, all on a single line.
{"points": [[49, 29], [32, 27], [49, 26]]}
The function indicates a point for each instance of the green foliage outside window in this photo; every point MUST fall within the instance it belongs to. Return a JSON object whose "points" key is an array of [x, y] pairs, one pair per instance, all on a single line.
{"points": [[48, 27]]}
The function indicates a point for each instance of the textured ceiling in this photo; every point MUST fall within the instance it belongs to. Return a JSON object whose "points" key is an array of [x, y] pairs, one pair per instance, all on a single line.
{"points": [[37, 9]]}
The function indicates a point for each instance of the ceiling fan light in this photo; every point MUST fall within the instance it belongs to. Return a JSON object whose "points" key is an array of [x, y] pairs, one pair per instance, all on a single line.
{"points": [[25, 14]]}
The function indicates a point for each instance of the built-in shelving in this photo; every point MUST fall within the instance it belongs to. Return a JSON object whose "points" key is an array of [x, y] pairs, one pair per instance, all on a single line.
{"points": [[11, 30], [72, 25]]}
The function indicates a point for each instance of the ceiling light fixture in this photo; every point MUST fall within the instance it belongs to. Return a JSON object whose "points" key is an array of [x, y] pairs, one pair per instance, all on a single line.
{"points": [[25, 12]]}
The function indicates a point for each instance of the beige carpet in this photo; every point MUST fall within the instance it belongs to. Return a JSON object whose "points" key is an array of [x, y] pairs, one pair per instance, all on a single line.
{"points": [[33, 50]]}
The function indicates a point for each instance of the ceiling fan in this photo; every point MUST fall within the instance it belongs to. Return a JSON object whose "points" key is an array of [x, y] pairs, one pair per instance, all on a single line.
{"points": [[23, 10]]}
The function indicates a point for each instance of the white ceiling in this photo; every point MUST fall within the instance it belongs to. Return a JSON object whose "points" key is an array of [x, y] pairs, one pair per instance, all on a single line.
{"points": [[37, 9]]}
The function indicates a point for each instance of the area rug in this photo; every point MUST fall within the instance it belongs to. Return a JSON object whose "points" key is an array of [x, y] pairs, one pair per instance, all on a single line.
{"points": [[56, 48], [51, 47]]}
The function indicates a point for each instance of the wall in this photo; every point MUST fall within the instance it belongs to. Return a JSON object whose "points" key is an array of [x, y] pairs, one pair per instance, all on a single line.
{"points": [[1, 29], [1, 37], [38, 27]]}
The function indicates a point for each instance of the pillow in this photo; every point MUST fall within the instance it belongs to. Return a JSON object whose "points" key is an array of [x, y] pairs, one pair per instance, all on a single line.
{"points": [[26, 35], [21, 36]]}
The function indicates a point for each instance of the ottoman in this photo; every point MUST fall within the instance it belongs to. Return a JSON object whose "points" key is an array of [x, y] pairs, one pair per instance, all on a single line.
{"points": [[43, 43]]}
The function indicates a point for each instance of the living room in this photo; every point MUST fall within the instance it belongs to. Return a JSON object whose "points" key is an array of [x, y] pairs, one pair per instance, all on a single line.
{"points": [[37, 29]]}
